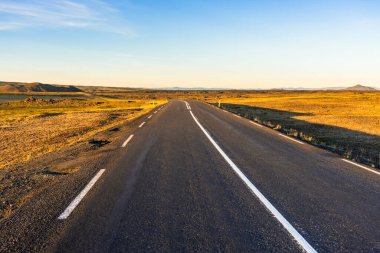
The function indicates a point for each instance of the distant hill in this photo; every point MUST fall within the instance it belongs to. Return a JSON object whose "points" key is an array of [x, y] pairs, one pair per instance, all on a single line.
{"points": [[191, 88], [13, 87], [360, 88], [353, 88]]}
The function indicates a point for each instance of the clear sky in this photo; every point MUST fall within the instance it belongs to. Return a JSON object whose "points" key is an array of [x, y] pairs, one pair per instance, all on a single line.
{"points": [[191, 43]]}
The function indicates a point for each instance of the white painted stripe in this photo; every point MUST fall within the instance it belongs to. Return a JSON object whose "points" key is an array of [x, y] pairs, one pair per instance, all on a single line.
{"points": [[361, 166], [150, 116], [80, 196], [187, 105], [256, 124], [142, 124], [292, 139], [155, 111], [237, 116], [126, 142], [293, 232]]}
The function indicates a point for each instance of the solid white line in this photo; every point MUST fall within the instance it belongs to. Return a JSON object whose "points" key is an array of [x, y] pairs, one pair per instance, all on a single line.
{"points": [[256, 124], [294, 233], [126, 142], [361, 166], [150, 116], [292, 139], [142, 124], [237, 116], [80, 196]]}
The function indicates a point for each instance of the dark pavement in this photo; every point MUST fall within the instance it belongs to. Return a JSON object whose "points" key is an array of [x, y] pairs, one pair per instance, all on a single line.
{"points": [[170, 190]]}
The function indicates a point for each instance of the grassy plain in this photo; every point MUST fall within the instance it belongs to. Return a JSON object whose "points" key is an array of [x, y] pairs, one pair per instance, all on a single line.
{"points": [[343, 121], [346, 122], [32, 128]]}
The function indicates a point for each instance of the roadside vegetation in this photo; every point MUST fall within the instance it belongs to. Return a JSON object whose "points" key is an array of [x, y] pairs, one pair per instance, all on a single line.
{"points": [[345, 122], [34, 127]]}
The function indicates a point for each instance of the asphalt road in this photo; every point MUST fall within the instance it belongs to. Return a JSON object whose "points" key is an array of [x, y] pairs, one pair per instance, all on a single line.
{"points": [[193, 178]]}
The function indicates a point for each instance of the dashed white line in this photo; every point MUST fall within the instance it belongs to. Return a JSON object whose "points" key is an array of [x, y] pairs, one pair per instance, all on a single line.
{"points": [[361, 166], [293, 232], [141, 124], [150, 116], [187, 105], [292, 139], [80, 196], [126, 142], [155, 111], [256, 124]]}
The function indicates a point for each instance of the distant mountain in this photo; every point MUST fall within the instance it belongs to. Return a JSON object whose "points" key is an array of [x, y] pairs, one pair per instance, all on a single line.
{"points": [[13, 87], [353, 88], [360, 88], [191, 88]]}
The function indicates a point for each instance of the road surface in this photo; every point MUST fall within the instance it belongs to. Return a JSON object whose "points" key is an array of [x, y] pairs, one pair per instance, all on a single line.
{"points": [[192, 178]]}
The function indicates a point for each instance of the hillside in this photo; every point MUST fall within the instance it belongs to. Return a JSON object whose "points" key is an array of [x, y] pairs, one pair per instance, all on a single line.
{"points": [[360, 88], [12, 87]]}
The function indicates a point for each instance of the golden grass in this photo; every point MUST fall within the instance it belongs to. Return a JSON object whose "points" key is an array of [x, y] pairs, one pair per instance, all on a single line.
{"points": [[31, 129], [347, 123], [358, 111]]}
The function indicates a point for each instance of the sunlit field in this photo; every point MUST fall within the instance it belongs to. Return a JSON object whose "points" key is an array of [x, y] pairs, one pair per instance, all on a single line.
{"points": [[34, 127], [345, 122]]}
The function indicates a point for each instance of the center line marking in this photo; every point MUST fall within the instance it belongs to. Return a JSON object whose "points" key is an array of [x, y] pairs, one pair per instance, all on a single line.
{"points": [[292, 139], [150, 116], [361, 166], [292, 231], [80, 196], [126, 142], [142, 124]]}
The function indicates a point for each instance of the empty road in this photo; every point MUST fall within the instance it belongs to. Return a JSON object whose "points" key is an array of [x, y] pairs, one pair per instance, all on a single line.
{"points": [[193, 178]]}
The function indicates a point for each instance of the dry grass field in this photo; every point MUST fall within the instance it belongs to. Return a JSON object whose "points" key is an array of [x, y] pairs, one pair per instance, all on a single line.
{"points": [[32, 128], [345, 122]]}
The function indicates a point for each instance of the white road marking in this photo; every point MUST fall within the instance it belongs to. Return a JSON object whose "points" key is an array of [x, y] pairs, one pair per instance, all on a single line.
{"points": [[126, 142], [142, 124], [187, 105], [150, 116], [256, 124], [300, 142], [80, 196], [237, 116], [361, 166], [155, 111], [293, 232]]}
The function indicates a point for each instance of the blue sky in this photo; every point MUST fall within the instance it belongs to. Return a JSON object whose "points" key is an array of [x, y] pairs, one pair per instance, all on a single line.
{"points": [[191, 43]]}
